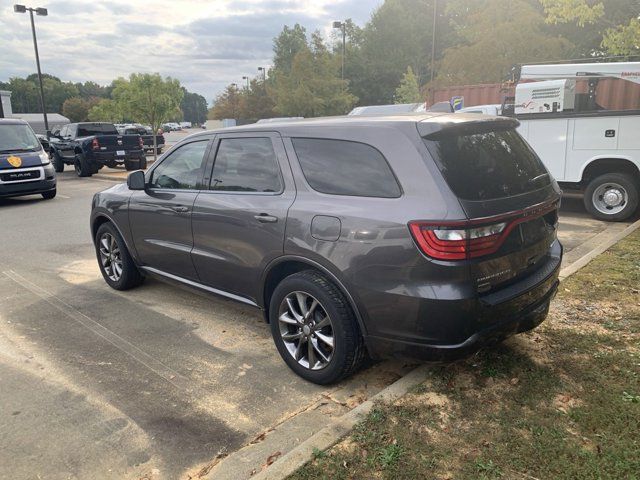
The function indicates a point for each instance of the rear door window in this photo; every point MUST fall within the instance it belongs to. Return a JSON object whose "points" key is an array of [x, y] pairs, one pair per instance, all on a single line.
{"points": [[488, 164], [340, 167], [246, 165]]}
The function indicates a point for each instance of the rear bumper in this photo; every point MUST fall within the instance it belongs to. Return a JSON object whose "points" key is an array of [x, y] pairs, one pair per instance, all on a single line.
{"points": [[105, 158], [484, 320]]}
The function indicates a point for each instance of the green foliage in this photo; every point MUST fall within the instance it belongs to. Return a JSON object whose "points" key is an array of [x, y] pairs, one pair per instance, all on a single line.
{"points": [[572, 11], [148, 98], [495, 35], [227, 104], [313, 86], [106, 110], [256, 102], [77, 109], [287, 45], [623, 40], [194, 107], [408, 91]]}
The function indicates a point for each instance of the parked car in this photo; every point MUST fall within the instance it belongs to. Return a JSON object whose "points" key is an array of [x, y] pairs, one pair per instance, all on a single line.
{"points": [[146, 133], [25, 168], [421, 236], [91, 146]]}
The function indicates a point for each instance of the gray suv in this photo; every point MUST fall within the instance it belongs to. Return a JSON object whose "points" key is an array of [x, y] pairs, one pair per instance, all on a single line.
{"points": [[422, 236]]}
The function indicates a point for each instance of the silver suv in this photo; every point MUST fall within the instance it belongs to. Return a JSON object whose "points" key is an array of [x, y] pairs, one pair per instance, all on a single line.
{"points": [[422, 236]]}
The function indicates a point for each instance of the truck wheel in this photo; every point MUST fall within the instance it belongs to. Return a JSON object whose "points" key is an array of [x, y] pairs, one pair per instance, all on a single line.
{"points": [[612, 197], [315, 329], [58, 163], [130, 165], [116, 265], [82, 166], [143, 163], [158, 150]]}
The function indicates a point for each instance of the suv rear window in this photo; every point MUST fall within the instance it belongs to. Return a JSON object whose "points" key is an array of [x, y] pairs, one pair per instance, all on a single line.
{"points": [[488, 164], [340, 167]]}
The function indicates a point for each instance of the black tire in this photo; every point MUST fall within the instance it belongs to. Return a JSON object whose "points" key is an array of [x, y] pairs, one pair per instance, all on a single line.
{"points": [[143, 163], [130, 276], [618, 182], [49, 195], [82, 166], [131, 165], [58, 163], [349, 350], [158, 150]]}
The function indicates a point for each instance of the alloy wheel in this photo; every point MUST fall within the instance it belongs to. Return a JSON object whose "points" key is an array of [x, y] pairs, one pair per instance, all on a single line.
{"points": [[110, 257], [306, 330]]}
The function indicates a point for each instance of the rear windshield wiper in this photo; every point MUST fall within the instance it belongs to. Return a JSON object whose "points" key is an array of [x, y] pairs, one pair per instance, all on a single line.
{"points": [[535, 179]]}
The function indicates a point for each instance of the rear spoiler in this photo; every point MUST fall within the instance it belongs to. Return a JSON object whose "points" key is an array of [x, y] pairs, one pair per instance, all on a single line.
{"points": [[461, 124]]}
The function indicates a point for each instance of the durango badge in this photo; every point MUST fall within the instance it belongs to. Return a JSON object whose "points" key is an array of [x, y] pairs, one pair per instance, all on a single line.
{"points": [[14, 161]]}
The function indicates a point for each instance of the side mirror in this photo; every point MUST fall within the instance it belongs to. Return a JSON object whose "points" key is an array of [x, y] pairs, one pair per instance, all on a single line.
{"points": [[136, 180]]}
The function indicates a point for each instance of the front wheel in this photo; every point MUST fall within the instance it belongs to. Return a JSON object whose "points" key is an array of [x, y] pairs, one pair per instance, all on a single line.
{"points": [[315, 329], [612, 197], [115, 262], [58, 163]]}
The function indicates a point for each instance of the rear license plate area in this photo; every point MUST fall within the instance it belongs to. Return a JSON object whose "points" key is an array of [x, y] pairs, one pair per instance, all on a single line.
{"points": [[120, 153]]}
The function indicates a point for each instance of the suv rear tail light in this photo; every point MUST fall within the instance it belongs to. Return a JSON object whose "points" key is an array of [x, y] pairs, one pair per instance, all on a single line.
{"points": [[470, 238], [95, 144]]}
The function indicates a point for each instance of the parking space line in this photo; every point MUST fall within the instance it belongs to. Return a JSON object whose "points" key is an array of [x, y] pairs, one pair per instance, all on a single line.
{"points": [[156, 366]]}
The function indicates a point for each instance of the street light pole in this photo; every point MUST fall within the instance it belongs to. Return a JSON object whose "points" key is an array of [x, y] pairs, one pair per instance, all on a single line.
{"points": [[433, 41], [264, 73], [43, 12], [247, 79]]}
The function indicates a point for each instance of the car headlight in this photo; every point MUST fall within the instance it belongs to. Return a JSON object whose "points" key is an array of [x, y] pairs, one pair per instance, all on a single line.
{"points": [[44, 158]]}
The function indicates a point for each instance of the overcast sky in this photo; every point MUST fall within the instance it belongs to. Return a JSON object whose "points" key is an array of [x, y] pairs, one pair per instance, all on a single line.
{"points": [[206, 44]]}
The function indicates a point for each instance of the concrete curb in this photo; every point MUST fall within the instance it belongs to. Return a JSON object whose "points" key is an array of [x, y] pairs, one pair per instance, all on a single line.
{"points": [[603, 247], [331, 434]]}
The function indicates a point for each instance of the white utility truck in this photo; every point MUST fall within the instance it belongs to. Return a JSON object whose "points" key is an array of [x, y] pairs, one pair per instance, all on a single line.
{"points": [[583, 145], [587, 135]]}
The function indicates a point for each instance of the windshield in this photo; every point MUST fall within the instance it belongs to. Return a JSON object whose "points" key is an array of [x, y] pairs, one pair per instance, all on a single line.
{"points": [[18, 138]]}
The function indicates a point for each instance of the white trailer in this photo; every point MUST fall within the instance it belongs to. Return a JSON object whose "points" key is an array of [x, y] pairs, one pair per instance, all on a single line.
{"points": [[594, 150]]}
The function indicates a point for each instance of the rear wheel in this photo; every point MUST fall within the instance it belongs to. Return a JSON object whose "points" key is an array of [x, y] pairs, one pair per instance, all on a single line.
{"points": [[49, 195], [143, 163], [315, 329], [82, 166], [612, 197], [115, 262], [58, 163], [130, 165]]}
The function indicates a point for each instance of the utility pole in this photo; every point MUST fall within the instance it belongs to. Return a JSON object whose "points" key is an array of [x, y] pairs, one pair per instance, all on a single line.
{"points": [[42, 12]]}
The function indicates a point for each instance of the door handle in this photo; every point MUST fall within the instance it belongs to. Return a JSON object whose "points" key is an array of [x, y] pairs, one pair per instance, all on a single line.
{"points": [[180, 209], [266, 218]]}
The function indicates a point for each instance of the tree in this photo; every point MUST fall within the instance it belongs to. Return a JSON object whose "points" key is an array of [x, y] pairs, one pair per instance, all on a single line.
{"points": [[256, 102], [613, 25], [408, 91], [287, 45], [106, 110], [495, 35], [313, 86], [149, 99], [227, 104], [194, 107], [77, 109]]}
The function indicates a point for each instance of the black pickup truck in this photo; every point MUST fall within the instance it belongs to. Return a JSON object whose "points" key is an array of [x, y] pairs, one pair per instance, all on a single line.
{"points": [[147, 136], [91, 146]]}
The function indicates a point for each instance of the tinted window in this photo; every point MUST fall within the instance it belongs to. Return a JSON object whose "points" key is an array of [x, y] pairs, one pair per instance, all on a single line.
{"points": [[183, 168], [488, 165], [246, 165], [89, 129], [340, 167]]}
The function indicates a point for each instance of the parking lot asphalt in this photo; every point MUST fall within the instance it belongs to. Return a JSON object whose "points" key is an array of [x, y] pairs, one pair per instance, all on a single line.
{"points": [[152, 383]]}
